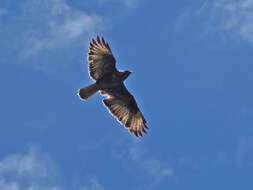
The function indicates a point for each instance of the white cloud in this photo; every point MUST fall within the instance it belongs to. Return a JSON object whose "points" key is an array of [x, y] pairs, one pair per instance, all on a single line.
{"points": [[128, 3], [93, 184], [231, 19], [157, 168], [232, 16], [23, 165], [4, 185], [8, 186], [35, 171], [149, 163], [139, 156], [26, 172], [60, 25]]}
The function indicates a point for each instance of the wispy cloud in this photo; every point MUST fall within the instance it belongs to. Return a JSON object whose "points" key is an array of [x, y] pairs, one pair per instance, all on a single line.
{"points": [[44, 30], [141, 159], [33, 170], [23, 165], [233, 18], [4, 185], [59, 25], [8, 185], [93, 184], [150, 164], [128, 3], [26, 172]]}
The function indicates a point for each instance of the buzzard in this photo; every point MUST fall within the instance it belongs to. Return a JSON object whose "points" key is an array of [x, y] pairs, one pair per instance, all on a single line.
{"points": [[110, 82]]}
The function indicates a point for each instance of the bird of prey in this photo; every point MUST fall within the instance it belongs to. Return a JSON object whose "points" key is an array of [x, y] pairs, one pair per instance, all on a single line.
{"points": [[110, 82]]}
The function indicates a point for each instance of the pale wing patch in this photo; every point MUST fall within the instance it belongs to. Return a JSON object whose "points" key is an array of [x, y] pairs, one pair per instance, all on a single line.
{"points": [[134, 122]]}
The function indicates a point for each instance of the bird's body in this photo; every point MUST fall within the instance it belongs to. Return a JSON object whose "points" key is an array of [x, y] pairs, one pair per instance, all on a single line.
{"points": [[113, 79], [110, 83]]}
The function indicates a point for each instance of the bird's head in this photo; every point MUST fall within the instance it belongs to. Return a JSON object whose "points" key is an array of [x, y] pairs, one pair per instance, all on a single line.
{"points": [[125, 74]]}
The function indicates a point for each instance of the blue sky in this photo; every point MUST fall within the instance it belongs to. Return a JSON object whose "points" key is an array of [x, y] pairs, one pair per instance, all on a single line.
{"points": [[192, 78]]}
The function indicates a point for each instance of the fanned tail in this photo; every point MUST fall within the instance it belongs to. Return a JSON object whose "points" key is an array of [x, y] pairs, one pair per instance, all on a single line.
{"points": [[88, 91]]}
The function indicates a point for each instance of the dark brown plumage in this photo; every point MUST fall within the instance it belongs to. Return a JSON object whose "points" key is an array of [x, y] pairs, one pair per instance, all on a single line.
{"points": [[110, 82]]}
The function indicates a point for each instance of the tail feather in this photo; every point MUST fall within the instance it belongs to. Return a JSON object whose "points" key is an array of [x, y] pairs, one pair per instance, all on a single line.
{"points": [[88, 91]]}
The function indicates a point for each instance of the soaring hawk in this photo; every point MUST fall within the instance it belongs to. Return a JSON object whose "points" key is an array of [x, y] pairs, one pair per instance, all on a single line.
{"points": [[110, 83]]}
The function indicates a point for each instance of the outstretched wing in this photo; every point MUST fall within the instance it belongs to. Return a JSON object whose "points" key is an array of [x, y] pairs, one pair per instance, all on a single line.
{"points": [[100, 58], [122, 105]]}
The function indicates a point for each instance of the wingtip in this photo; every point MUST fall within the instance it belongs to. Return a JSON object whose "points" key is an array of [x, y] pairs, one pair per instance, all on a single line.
{"points": [[91, 45], [107, 45], [94, 41], [98, 39], [136, 134], [144, 131], [146, 126], [103, 41]]}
